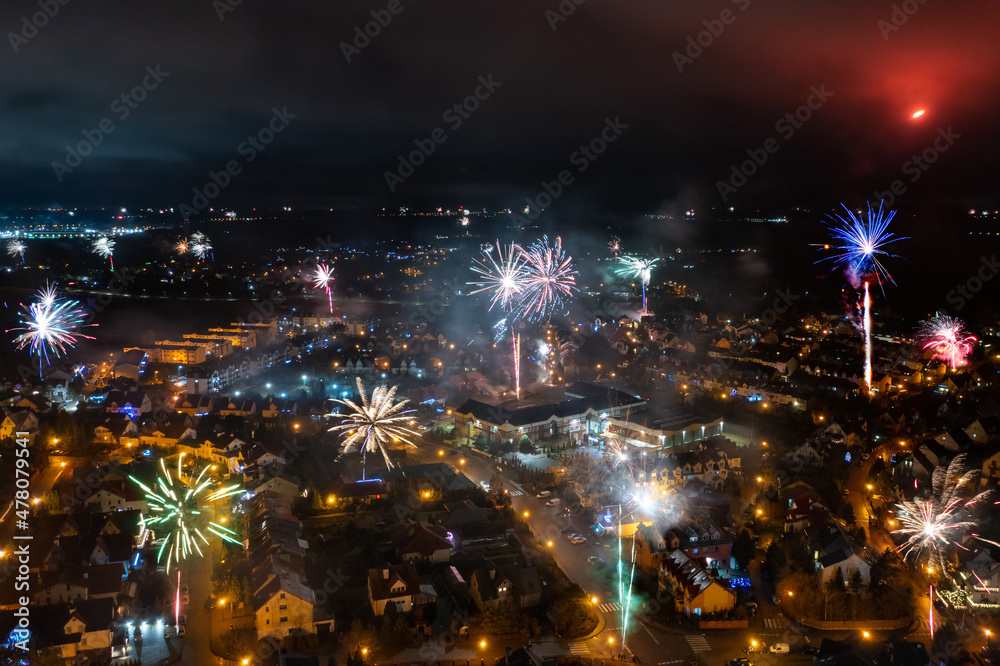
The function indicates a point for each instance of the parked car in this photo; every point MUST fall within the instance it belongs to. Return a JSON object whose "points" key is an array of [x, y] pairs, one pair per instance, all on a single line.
{"points": [[780, 648], [543, 494], [186, 593], [553, 502], [578, 539], [805, 648], [740, 661], [594, 559]]}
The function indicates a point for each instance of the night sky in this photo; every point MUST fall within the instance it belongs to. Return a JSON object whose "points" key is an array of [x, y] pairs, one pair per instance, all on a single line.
{"points": [[606, 60]]}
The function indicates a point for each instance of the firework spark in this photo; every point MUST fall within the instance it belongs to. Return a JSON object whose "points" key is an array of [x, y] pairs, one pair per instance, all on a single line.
{"points": [[862, 241], [947, 338], [502, 274], [177, 507], [322, 279], [615, 245], [641, 269], [376, 422], [938, 524], [200, 245], [104, 247], [182, 246], [51, 326], [16, 248], [549, 279]]}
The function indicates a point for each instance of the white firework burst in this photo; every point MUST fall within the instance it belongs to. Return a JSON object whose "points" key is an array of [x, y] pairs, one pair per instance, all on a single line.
{"points": [[938, 524], [375, 423]]}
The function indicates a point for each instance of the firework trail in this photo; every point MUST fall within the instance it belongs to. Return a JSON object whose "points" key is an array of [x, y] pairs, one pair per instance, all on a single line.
{"points": [[862, 240], [104, 247], [322, 279], [16, 248], [503, 275], [938, 524], [947, 338], [177, 505], [50, 325], [549, 279], [615, 245], [374, 423], [640, 269]]}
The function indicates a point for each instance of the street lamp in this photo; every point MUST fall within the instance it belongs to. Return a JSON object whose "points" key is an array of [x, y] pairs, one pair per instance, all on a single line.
{"points": [[525, 514], [482, 644]]}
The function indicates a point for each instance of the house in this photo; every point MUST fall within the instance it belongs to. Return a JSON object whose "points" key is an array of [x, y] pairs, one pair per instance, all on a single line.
{"points": [[806, 454], [991, 471], [283, 605], [21, 420], [422, 542], [193, 404], [398, 585], [79, 632], [981, 575], [133, 402], [490, 586], [280, 482], [342, 493], [693, 592]]}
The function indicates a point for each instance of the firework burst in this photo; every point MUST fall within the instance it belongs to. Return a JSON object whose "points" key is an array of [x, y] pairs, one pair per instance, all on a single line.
{"points": [[638, 268], [502, 274], [938, 524], [615, 245], [322, 279], [376, 422], [947, 338], [178, 507], [549, 279], [16, 248], [104, 247], [200, 245], [50, 325], [862, 242], [182, 246]]}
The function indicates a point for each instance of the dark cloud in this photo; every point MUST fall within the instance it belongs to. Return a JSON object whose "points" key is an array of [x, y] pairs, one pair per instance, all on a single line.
{"points": [[607, 59]]}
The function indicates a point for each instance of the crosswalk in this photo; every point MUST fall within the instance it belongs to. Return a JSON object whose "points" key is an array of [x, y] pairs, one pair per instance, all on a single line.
{"points": [[698, 643], [514, 492], [773, 623], [607, 608], [579, 648]]}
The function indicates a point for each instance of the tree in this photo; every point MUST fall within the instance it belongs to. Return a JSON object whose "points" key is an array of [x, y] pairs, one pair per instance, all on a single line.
{"points": [[884, 570], [861, 536], [855, 581], [848, 513], [526, 446], [743, 550], [837, 582]]}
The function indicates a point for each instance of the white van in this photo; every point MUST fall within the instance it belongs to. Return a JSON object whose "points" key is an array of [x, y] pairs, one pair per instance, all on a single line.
{"points": [[543, 494], [780, 648], [553, 502]]}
